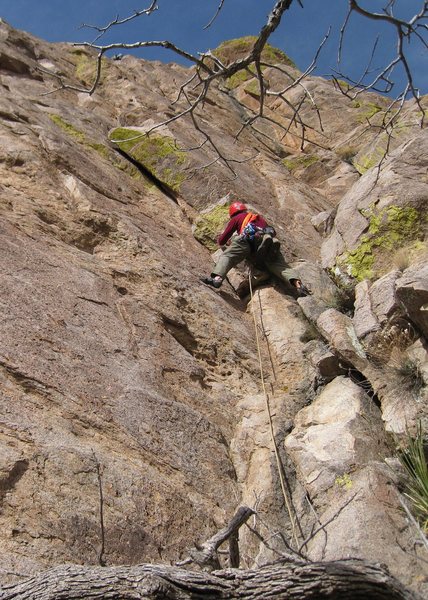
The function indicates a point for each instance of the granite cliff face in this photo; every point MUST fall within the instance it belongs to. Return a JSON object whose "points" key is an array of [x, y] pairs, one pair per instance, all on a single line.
{"points": [[133, 419]]}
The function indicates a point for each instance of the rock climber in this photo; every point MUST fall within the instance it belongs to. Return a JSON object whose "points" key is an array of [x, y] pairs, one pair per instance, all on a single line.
{"points": [[257, 241]]}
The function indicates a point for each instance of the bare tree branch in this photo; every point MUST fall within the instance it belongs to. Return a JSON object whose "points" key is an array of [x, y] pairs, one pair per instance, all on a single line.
{"points": [[289, 557], [117, 21], [220, 6], [353, 4], [324, 525], [206, 554], [148, 44], [404, 30], [101, 559], [210, 68], [346, 579]]}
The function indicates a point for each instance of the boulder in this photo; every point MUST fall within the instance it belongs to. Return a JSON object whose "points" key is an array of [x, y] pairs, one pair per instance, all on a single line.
{"points": [[337, 445], [323, 222], [334, 435], [339, 331], [312, 307], [383, 297], [363, 514], [316, 279], [412, 292], [324, 360], [364, 319]]}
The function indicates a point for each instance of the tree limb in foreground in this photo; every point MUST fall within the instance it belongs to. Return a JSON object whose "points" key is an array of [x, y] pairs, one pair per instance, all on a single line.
{"points": [[209, 68], [346, 579], [205, 555], [288, 578]]}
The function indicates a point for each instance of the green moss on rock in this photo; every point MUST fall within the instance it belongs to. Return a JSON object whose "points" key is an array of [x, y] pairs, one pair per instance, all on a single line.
{"points": [[232, 50], [253, 88], [79, 136], [368, 110], [401, 222], [100, 148], [68, 128], [389, 229], [159, 154], [86, 66], [300, 162], [128, 168], [239, 77], [361, 260], [209, 225]]}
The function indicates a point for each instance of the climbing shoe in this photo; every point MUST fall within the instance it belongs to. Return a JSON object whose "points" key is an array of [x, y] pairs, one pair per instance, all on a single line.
{"points": [[302, 290], [214, 282]]}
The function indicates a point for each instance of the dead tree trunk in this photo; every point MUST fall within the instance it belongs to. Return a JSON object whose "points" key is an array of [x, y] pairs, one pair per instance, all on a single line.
{"points": [[346, 579]]}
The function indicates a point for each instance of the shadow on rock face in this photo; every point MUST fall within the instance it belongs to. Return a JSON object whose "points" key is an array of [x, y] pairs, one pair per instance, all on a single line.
{"points": [[234, 299]]}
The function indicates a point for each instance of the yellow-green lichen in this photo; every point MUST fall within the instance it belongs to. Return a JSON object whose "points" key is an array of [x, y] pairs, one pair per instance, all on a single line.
{"points": [[271, 54], [100, 148], [344, 481], [253, 88], [365, 162], [368, 110], [79, 135], [389, 229], [371, 156], [159, 154], [209, 225], [347, 153], [68, 128], [239, 77], [127, 167], [86, 66], [300, 162]]}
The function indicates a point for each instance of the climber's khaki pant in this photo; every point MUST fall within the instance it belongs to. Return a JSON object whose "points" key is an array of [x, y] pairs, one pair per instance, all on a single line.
{"points": [[240, 250]]}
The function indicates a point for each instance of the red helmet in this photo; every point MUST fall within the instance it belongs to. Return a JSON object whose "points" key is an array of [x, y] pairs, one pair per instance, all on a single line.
{"points": [[236, 207]]}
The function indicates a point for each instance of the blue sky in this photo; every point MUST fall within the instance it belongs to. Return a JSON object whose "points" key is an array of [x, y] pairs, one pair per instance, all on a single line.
{"points": [[182, 22]]}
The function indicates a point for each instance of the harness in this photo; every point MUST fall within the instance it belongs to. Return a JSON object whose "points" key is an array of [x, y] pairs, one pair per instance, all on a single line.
{"points": [[250, 231]]}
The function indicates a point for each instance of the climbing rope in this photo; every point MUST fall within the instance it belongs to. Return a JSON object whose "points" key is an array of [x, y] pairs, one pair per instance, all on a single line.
{"points": [[279, 464]]}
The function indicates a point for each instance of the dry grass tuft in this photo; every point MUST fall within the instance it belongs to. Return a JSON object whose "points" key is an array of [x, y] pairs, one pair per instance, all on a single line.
{"points": [[413, 459]]}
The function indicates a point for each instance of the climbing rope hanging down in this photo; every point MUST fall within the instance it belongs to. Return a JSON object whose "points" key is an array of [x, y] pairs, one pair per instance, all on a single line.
{"points": [[279, 465]]}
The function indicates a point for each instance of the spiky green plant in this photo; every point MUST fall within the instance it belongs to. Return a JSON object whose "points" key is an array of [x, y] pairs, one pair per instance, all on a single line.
{"points": [[413, 459]]}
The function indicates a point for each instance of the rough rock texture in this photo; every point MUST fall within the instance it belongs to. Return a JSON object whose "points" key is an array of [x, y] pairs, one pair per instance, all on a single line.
{"points": [[364, 319], [333, 434], [337, 445], [412, 291], [339, 331], [355, 514], [382, 216], [139, 407]]}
